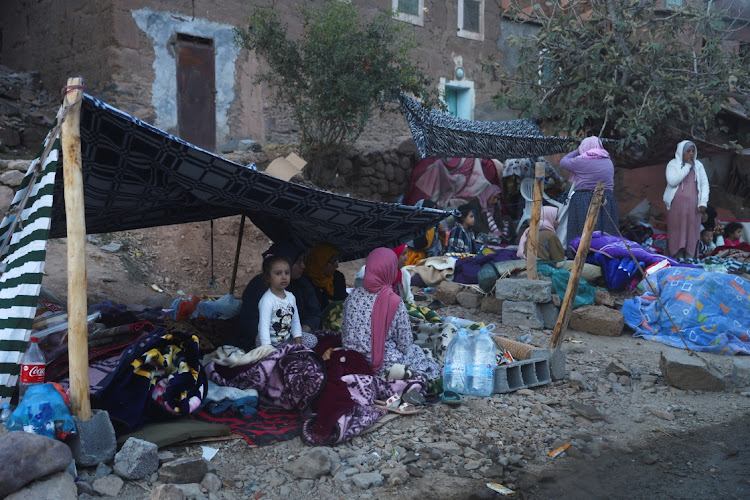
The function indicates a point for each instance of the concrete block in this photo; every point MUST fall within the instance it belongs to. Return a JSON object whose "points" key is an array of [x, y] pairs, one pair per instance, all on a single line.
{"points": [[741, 371], [556, 359], [597, 320], [137, 459], [517, 289], [521, 374], [549, 314], [446, 292], [522, 314], [687, 372], [491, 305], [468, 298], [95, 441]]}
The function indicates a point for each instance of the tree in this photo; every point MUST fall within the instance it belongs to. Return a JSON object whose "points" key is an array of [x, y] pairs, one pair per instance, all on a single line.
{"points": [[625, 69], [338, 73]]}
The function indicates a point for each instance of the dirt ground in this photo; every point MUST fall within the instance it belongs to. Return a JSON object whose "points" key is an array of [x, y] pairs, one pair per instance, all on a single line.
{"points": [[703, 453]]}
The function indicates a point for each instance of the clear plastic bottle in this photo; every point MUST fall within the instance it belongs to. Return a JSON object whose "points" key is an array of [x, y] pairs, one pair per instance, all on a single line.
{"points": [[457, 357], [480, 372], [5, 414], [32, 367]]}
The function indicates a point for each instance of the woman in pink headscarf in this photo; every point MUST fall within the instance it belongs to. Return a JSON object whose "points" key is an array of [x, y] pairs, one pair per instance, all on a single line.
{"points": [[589, 165], [376, 323], [549, 246]]}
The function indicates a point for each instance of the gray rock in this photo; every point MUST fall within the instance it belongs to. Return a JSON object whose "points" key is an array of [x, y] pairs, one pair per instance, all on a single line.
{"points": [[649, 459], [6, 197], [597, 320], [184, 470], [316, 463], [586, 411], [603, 298], [448, 447], [398, 477], [109, 486], [524, 290], [574, 452], [26, 457], [741, 371], [689, 373], [367, 480], [664, 415], [415, 471], [469, 298], [447, 291], [578, 381], [92, 240], [111, 247], [491, 305], [58, 486], [617, 368], [166, 492], [165, 456], [137, 459], [12, 178], [84, 488], [102, 470], [191, 491], [212, 482]]}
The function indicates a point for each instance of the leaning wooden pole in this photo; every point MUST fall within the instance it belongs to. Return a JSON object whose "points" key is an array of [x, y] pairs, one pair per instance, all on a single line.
{"points": [[237, 255], [78, 347], [536, 213], [575, 273]]}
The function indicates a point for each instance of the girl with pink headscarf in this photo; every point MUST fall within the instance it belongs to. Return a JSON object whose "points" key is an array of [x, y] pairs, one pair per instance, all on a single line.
{"points": [[589, 165], [376, 322], [549, 246]]}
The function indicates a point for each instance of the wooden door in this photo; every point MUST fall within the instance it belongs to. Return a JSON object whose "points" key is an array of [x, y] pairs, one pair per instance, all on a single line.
{"points": [[196, 91]]}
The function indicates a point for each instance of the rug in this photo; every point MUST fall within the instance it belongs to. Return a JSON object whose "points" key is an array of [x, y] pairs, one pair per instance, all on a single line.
{"points": [[259, 429]]}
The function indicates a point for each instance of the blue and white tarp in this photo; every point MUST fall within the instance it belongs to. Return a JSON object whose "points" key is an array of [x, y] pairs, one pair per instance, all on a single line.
{"points": [[710, 310]]}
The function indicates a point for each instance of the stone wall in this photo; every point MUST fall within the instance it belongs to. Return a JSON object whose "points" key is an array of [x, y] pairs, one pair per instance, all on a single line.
{"points": [[11, 175]]}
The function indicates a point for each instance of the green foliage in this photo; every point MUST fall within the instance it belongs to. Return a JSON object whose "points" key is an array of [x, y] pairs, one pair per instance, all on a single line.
{"points": [[623, 69], [339, 71]]}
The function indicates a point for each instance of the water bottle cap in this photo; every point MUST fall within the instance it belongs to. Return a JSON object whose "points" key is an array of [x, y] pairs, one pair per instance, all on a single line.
{"points": [[34, 339]]}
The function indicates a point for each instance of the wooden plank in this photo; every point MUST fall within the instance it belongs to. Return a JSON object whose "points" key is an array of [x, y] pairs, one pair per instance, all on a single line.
{"points": [[78, 348], [237, 255], [536, 213], [575, 273]]}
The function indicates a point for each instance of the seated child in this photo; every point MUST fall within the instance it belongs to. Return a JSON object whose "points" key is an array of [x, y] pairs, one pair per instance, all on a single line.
{"points": [[461, 239], [706, 246], [732, 235], [278, 322]]}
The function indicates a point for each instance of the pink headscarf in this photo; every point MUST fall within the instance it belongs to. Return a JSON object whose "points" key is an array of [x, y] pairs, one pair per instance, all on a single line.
{"points": [[591, 147], [380, 272], [547, 221], [488, 193]]}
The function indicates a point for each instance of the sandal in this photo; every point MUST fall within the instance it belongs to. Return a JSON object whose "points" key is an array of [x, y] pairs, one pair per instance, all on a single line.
{"points": [[414, 398], [451, 398], [392, 405]]}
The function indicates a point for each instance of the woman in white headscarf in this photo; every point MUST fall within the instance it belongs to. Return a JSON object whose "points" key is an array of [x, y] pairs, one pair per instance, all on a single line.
{"points": [[686, 198]]}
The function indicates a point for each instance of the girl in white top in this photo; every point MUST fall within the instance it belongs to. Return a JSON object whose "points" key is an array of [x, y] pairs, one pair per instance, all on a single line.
{"points": [[279, 316]]}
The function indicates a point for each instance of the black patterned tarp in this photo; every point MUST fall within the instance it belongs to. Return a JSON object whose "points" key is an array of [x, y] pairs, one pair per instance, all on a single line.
{"points": [[137, 176], [442, 135]]}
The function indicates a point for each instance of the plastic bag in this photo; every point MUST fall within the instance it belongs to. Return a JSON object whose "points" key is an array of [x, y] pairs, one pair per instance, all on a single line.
{"points": [[44, 411]]}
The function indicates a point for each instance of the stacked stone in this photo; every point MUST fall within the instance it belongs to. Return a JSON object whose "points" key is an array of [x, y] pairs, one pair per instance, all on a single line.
{"points": [[527, 303]]}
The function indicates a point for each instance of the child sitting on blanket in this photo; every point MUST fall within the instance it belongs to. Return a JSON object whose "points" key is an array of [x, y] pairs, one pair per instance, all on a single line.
{"points": [[732, 235], [706, 246], [279, 317], [461, 239]]}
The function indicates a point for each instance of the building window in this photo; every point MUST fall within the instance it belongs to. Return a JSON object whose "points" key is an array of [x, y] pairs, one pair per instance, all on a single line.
{"points": [[471, 19], [410, 11]]}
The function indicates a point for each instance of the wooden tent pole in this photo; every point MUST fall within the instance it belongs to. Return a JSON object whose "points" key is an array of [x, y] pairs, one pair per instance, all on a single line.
{"points": [[237, 255], [575, 273], [78, 347], [536, 212]]}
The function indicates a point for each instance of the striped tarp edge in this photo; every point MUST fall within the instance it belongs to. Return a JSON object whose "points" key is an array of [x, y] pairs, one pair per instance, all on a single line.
{"points": [[21, 281]]}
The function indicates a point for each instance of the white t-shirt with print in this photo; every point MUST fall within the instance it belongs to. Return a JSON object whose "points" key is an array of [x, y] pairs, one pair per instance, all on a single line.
{"points": [[279, 319]]}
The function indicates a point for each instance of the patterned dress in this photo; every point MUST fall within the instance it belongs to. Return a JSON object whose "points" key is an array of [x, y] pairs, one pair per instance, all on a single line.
{"points": [[399, 345]]}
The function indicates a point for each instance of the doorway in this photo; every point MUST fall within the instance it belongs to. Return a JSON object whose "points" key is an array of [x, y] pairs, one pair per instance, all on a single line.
{"points": [[196, 91]]}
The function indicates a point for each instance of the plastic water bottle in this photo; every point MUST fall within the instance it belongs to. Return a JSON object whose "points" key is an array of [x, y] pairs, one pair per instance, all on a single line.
{"points": [[458, 322], [5, 414], [480, 373], [457, 357], [32, 367]]}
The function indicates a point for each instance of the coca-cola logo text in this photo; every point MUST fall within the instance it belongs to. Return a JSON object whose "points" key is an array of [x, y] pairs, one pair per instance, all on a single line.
{"points": [[35, 370]]}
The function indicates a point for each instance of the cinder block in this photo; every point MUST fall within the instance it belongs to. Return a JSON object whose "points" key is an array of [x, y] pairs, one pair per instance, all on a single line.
{"points": [[521, 374], [556, 359], [517, 289], [95, 441], [550, 312], [522, 314]]}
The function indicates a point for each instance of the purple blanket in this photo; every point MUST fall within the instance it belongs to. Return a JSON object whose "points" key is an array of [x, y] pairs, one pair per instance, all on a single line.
{"points": [[613, 246], [468, 268], [291, 377]]}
